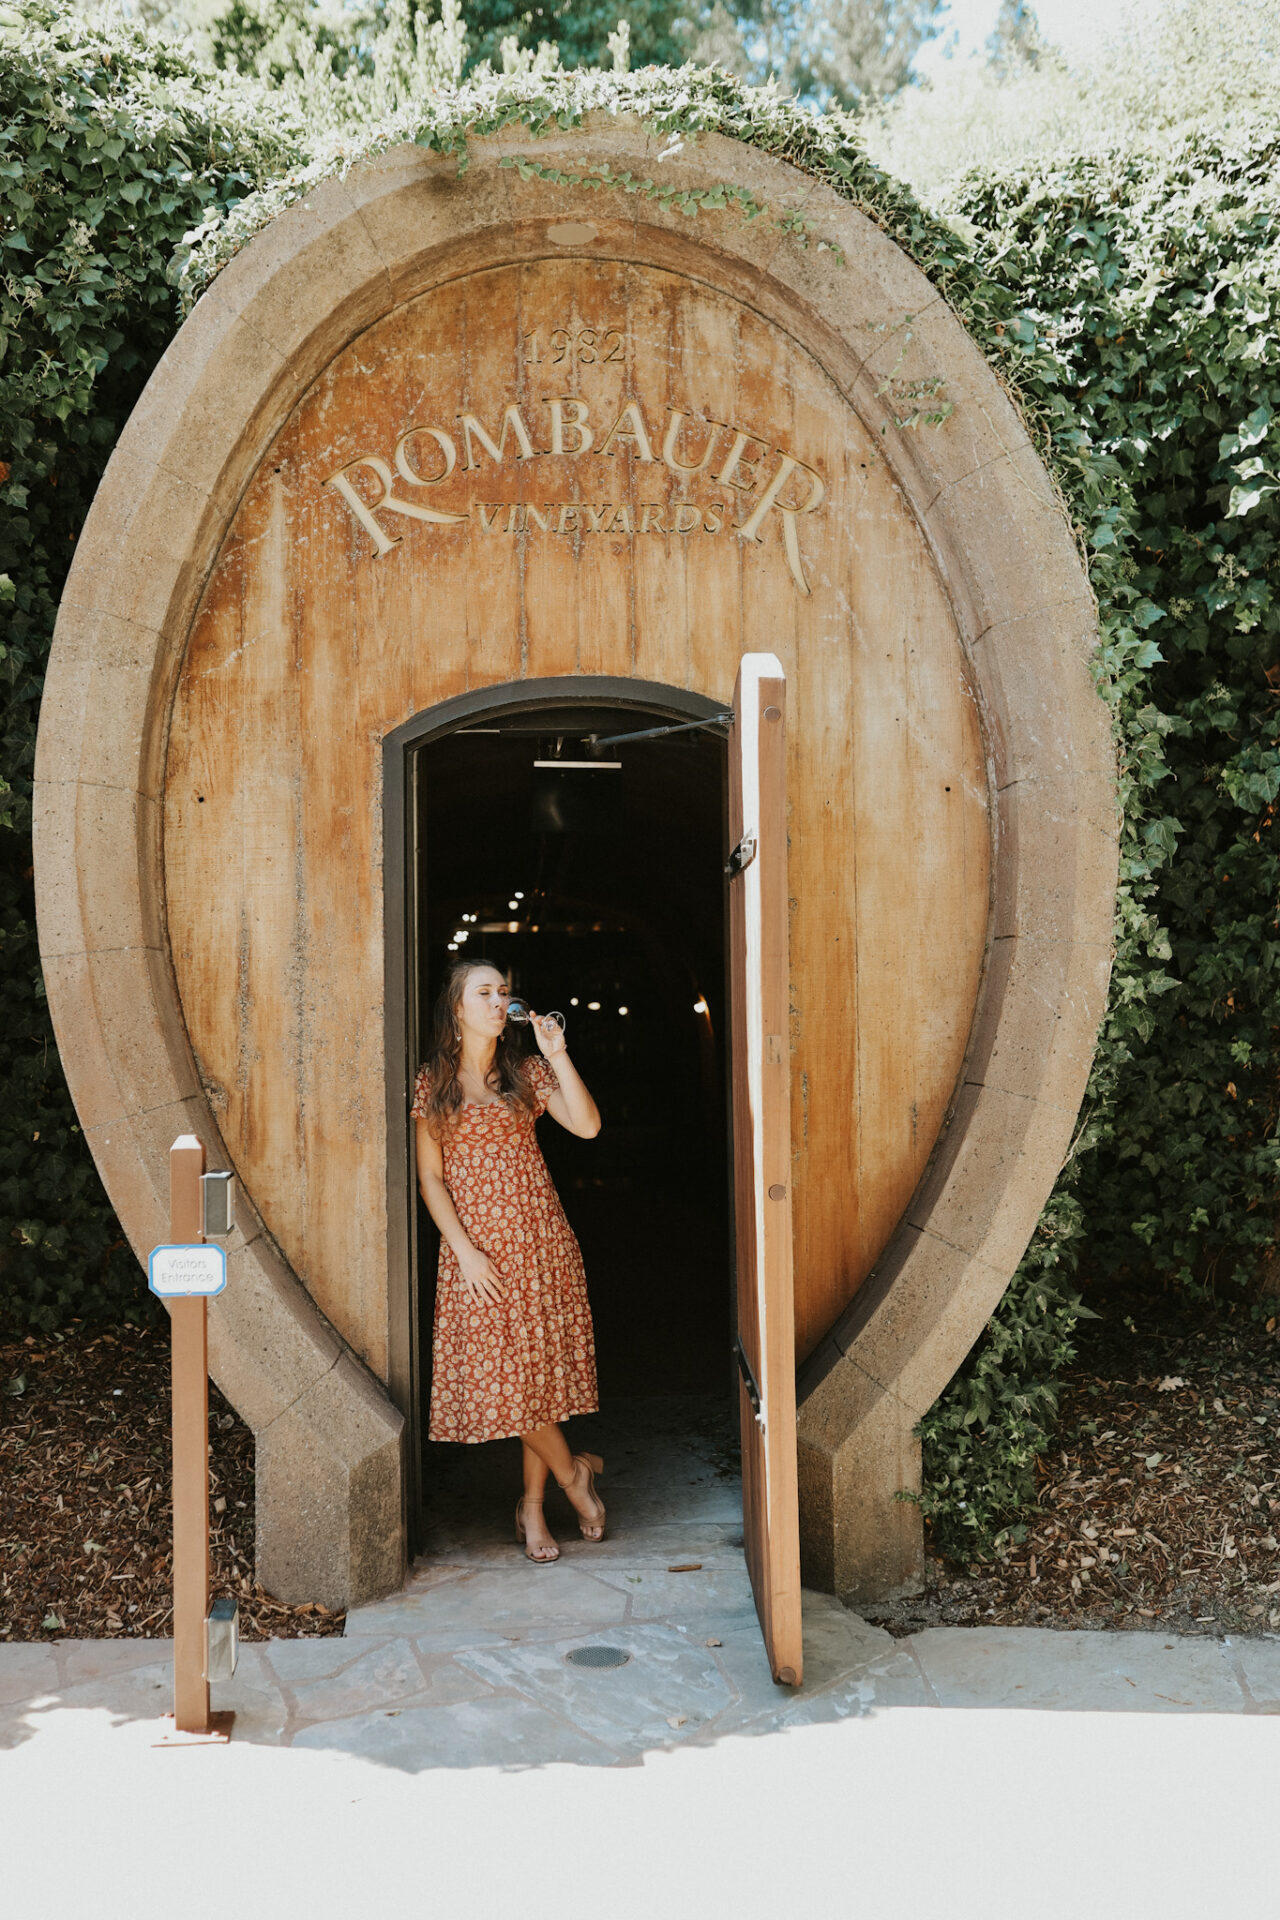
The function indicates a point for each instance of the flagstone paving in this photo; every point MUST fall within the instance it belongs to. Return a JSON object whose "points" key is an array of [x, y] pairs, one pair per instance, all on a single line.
{"points": [[469, 1666], [436, 1690]]}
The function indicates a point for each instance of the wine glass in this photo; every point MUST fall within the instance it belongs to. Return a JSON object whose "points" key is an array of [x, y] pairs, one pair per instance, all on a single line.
{"points": [[518, 1010]]}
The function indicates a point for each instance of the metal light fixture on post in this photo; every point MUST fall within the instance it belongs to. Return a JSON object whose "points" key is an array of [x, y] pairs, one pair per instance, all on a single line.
{"points": [[184, 1274]]}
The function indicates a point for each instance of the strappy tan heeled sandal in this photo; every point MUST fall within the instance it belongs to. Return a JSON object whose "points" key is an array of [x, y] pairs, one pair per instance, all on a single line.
{"points": [[592, 1464], [540, 1556]]}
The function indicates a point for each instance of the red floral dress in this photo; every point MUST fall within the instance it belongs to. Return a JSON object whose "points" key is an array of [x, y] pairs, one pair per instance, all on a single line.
{"points": [[503, 1368]]}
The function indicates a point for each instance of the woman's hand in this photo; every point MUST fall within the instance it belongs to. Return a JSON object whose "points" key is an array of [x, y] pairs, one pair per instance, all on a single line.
{"points": [[548, 1033], [480, 1277]]}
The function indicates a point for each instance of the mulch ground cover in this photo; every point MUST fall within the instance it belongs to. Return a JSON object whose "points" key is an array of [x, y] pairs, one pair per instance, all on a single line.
{"points": [[85, 1515], [1158, 1506]]}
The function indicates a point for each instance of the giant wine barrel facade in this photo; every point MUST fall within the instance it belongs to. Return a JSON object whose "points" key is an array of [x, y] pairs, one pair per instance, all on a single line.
{"points": [[432, 438]]}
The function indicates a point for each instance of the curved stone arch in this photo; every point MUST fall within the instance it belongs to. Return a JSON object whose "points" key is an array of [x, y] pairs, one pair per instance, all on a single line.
{"points": [[328, 1437]]}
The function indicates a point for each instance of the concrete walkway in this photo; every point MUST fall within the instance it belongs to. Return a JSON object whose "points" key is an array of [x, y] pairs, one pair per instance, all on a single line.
{"points": [[447, 1745]]}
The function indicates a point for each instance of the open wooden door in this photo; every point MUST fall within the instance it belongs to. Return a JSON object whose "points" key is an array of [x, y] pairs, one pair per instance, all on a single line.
{"points": [[759, 997]]}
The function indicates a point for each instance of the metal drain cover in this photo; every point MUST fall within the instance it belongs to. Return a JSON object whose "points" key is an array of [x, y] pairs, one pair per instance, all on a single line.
{"points": [[598, 1657]]}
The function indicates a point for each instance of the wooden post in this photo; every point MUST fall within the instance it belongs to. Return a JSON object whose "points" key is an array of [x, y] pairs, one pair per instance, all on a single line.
{"points": [[190, 1376]]}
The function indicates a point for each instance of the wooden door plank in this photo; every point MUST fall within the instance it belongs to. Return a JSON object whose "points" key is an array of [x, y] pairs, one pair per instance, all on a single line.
{"points": [[760, 994]]}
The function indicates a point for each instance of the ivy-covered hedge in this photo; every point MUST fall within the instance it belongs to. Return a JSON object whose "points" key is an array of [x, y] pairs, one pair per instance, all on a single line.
{"points": [[111, 148], [1149, 285], [1131, 304]]}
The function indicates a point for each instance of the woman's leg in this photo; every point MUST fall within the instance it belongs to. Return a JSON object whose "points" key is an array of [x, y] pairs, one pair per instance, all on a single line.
{"points": [[538, 1537], [535, 1475], [552, 1449]]}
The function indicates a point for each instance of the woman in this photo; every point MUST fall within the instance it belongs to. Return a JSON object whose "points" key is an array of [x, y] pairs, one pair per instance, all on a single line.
{"points": [[514, 1349]]}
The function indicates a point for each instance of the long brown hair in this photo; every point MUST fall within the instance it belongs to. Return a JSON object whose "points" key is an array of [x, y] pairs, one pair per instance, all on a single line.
{"points": [[506, 1075]]}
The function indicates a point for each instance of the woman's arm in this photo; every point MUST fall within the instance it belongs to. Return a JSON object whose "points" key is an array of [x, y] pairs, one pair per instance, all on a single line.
{"points": [[480, 1277], [570, 1104]]}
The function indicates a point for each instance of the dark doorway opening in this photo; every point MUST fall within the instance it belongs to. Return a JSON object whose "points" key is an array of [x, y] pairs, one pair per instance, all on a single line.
{"points": [[593, 875]]}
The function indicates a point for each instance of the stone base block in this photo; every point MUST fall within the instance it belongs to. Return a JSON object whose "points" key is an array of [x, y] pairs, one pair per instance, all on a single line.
{"points": [[857, 1455], [330, 1493]]}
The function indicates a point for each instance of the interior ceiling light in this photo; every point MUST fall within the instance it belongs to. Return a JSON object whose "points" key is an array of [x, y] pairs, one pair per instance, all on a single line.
{"points": [[593, 1006], [573, 1000], [519, 895], [624, 1009], [700, 1006], [513, 904]]}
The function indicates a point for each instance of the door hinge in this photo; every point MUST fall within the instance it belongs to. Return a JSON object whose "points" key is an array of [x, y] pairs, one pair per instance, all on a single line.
{"points": [[741, 857], [750, 1382]]}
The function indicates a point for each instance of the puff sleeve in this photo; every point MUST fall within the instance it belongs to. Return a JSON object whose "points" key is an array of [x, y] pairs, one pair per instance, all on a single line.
{"points": [[418, 1111], [541, 1077]]}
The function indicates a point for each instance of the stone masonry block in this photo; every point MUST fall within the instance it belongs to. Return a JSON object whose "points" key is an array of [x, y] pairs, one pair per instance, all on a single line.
{"points": [[345, 277], [121, 747], [815, 1480], [116, 830], [329, 1499], [1009, 551], [269, 266], [92, 844], [1058, 859], [858, 1538], [87, 1063], [878, 1544], [207, 387], [59, 928], [850, 275], [754, 243], [1044, 715], [95, 718], [64, 701], [833, 1398], [136, 556], [268, 1345], [985, 1187], [875, 270], [416, 212], [1038, 1020], [141, 1028], [135, 1176], [924, 361], [914, 1319]]}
